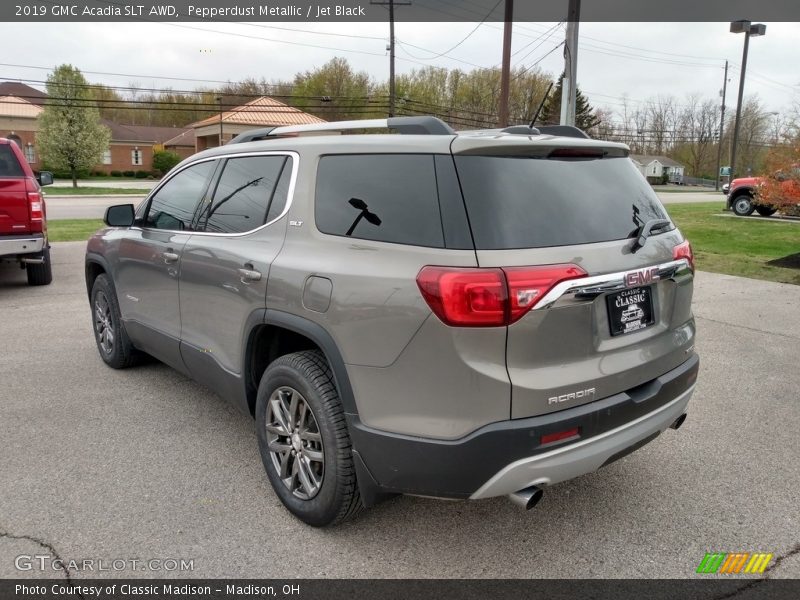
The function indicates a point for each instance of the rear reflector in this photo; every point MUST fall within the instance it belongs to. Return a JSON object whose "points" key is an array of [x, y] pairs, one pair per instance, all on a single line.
{"points": [[559, 436], [491, 297], [684, 250]]}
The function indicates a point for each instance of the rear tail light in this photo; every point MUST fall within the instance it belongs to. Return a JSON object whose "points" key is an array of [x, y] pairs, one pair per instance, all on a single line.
{"points": [[684, 250], [491, 297], [36, 210]]}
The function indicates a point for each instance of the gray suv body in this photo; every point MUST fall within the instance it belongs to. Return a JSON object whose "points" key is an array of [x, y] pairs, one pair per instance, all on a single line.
{"points": [[450, 315]]}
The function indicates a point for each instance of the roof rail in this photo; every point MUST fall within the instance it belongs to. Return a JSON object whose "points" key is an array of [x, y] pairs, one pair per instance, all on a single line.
{"points": [[252, 135], [563, 131], [404, 125]]}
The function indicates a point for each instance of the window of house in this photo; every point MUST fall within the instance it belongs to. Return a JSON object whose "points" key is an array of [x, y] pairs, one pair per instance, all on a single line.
{"points": [[30, 154], [136, 157], [251, 191], [107, 157]]}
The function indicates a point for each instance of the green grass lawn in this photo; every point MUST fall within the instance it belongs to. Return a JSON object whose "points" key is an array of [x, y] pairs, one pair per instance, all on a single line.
{"points": [[92, 191], [72, 230], [737, 246]]}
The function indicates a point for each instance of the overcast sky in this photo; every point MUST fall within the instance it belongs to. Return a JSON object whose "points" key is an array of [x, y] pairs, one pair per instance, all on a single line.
{"points": [[615, 59]]}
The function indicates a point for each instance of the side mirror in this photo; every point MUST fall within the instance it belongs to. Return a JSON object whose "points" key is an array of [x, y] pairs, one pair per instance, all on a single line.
{"points": [[44, 178], [119, 215]]}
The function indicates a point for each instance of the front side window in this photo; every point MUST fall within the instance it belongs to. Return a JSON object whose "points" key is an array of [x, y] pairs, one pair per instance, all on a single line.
{"points": [[380, 197], [251, 191], [174, 203]]}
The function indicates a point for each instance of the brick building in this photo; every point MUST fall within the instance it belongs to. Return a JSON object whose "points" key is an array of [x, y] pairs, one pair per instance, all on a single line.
{"points": [[131, 147]]}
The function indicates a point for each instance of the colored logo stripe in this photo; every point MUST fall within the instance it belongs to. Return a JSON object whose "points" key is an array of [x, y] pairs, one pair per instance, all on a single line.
{"points": [[722, 562]]}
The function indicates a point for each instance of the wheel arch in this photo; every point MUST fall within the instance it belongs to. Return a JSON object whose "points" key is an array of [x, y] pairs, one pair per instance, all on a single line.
{"points": [[275, 333], [96, 265]]}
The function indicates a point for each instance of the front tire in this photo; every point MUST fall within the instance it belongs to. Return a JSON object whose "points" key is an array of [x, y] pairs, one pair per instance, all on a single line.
{"points": [[743, 205], [112, 340], [41, 273], [304, 442]]}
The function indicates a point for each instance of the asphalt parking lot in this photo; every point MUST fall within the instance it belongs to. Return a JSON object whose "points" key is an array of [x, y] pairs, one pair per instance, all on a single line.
{"points": [[146, 464]]}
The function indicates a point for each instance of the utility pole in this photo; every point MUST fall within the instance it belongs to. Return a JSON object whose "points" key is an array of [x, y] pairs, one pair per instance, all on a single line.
{"points": [[505, 74], [219, 99], [569, 86], [390, 47], [749, 29], [721, 125]]}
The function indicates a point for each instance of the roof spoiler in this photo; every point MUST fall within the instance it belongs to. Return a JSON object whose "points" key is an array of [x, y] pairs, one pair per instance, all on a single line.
{"points": [[562, 131]]}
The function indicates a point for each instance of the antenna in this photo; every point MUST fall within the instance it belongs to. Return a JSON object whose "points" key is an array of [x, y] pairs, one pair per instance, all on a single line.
{"points": [[541, 104]]}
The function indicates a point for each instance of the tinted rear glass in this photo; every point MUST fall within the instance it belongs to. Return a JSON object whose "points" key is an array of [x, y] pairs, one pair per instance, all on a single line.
{"points": [[380, 197], [9, 165], [526, 202]]}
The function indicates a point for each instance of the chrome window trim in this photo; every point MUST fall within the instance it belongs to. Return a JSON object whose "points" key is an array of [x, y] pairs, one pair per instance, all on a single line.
{"points": [[609, 282], [289, 193]]}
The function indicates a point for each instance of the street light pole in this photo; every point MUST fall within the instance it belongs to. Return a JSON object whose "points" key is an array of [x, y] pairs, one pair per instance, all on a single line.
{"points": [[721, 126], [505, 72], [749, 29]]}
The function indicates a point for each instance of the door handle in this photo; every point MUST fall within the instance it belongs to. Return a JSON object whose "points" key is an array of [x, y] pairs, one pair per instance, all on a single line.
{"points": [[169, 256], [249, 274]]}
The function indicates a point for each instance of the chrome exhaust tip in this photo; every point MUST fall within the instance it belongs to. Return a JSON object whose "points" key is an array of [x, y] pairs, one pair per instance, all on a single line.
{"points": [[527, 498], [676, 424]]}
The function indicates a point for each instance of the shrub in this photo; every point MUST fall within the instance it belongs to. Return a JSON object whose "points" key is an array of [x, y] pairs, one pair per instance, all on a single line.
{"points": [[141, 174], [116, 173], [164, 160], [129, 173]]}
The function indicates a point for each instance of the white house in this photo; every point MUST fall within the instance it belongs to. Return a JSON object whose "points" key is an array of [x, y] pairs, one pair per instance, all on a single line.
{"points": [[657, 166]]}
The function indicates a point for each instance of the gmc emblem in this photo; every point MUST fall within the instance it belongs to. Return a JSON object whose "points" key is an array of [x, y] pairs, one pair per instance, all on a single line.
{"points": [[643, 277]]}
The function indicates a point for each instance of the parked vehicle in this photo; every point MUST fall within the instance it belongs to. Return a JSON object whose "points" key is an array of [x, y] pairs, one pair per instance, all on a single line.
{"points": [[426, 313], [23, 218], [743, 195]]}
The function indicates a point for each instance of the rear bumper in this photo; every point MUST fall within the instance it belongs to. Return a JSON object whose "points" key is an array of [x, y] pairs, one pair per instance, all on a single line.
{"points": [[15, 245], [505, 457]]}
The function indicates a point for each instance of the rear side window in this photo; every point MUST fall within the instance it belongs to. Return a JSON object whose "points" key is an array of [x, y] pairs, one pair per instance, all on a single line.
{"points": [[9, 165], [380, 197], [527, 202], [251, 191]]}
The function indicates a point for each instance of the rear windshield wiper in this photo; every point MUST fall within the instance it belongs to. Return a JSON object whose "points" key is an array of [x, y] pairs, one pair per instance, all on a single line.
{"points": [[646, 230]]}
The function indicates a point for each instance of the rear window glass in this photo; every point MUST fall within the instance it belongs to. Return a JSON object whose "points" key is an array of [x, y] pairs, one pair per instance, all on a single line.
{"points": [[527, 202], [380, 197], [9, 165]]}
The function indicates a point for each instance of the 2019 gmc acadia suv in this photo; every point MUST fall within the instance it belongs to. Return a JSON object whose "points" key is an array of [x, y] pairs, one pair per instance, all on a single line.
{"points": [[452, 315]]}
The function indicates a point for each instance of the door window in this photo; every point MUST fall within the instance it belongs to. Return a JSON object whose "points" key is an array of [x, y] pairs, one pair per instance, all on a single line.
{"points": [[174, 204], [249, 190]]}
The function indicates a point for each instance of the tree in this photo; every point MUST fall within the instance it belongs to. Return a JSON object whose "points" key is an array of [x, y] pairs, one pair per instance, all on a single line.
{"points": [[585, 117], [70, 134], [164, 160]]}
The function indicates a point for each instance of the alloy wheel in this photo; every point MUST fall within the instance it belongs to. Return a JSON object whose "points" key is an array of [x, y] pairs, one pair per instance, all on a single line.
{"points": [[295, 443], [103, 323]]}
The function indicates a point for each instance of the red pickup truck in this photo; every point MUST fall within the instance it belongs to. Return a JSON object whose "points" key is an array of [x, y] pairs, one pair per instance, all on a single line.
{"points": [[23, 224], [743, 196]]}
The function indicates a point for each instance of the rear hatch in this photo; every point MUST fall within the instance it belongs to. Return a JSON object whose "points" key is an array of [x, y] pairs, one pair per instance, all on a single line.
{"points": [[551, 209], [14, 218]]}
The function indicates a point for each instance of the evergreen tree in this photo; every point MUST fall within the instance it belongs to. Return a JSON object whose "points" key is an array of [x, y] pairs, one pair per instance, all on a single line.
{"points": [[585, 117], [70, 134]]}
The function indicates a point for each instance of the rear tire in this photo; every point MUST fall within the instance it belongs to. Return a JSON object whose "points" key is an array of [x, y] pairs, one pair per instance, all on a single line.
{"points": [[304, 442], [112, 340], [766, 211], [40, 274], [743, 205]]}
